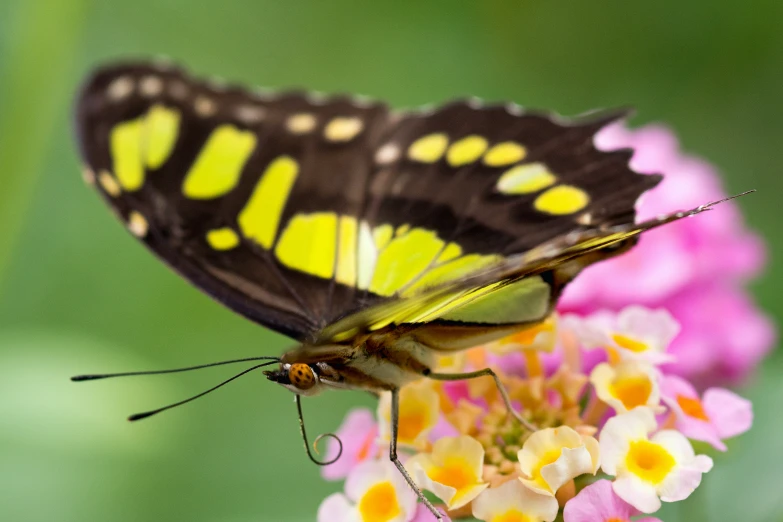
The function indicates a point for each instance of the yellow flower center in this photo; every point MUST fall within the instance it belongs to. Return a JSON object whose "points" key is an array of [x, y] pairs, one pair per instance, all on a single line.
{"points": [[547, 458], [629, 343], [455, 473], [512, 515], [614, 519], [632, 391], [692, 408], [649, 461], [379, 503]]}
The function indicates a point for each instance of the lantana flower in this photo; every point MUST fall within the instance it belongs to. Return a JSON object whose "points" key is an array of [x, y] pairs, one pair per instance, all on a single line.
{"points": [[375, 491], [554, 456], [649, 469], [599, 503], [513, 502], [627, 385], [720, 414], [694, 268], [359, 435], [419, 413], [636, 333], [453, 471]]}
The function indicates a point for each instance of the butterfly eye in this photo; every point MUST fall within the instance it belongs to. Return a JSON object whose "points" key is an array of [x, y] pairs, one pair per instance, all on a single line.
{"points": [[301, 376]]}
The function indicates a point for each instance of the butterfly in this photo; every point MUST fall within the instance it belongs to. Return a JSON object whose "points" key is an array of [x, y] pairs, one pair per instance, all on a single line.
{"points": [[377, 240]]}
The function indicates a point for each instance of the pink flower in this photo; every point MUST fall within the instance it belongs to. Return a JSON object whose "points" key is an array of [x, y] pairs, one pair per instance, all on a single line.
{"points": [[359, 434], [598, 503], [720, 414], [423, 514], [684, 266]]}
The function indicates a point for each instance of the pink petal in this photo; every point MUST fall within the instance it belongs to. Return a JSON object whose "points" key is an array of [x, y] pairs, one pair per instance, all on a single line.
{"points": [[425, 515], [730, 413], [597, 503]]}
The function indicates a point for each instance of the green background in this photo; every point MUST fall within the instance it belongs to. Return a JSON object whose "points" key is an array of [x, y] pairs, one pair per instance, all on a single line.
{"points": [[78, 295]]}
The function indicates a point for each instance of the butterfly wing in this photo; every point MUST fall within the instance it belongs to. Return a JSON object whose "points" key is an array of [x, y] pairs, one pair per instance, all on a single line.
{"points": [[206, 176], [302, 212]]}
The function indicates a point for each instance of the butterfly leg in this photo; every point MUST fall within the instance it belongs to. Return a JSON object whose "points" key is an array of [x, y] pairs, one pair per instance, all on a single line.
{"points": [[395, 421], [501, 388]]}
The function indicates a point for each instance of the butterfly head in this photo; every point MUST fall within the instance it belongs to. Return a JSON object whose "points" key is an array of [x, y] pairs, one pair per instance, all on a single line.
{"points": [[300, 378]]}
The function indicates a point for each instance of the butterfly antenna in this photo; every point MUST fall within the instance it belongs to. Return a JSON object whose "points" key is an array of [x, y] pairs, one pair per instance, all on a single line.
{"points": [[144, 415], [93, 377], [317, 439]]}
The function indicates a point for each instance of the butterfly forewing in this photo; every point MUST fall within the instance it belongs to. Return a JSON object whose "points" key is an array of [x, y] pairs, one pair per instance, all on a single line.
{"points": [[300, 211]]}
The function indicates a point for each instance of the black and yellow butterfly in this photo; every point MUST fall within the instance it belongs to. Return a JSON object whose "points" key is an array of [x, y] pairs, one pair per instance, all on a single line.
{"points": [[375, 239]]}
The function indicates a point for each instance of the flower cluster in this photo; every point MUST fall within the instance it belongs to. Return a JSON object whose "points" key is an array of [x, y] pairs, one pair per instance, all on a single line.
{"points": [[618, 383], [694, 268], [612, 437]]}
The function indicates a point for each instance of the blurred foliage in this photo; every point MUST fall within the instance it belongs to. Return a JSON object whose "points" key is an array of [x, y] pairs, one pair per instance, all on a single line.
{"points": [[78, 295]]}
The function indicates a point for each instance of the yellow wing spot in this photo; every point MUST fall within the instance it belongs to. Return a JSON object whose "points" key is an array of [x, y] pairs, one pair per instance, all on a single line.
{"points": [[525, 179], [222, 238], [403, 259], [561, 200], [428, 149], [343, 129], [219, 164], [346, 252], [504, 153], [162, 127], [150, 86], [137, 224], [467, 150], [204, 106], [309, 243], [452, 250], [402, 230], [260, 218], [301, 123], [109, 184], [125, 146], [120, 88], [88, 175], [382, 234]]}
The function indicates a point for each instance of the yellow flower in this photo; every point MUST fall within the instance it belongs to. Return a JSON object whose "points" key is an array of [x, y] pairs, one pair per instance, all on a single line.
{"points": [[627, 385], [453, 471], [553, 457], [513, 502], [419, 411]]}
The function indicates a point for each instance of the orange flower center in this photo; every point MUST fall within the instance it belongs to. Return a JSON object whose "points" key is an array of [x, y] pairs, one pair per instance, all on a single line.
{"points": [[364, 450], [692, 408], [632, 391], [412, 423], [379, 503], [455, 473], [649, 461]]}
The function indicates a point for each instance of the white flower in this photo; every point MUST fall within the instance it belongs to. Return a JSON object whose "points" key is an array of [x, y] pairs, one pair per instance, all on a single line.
{"points": [[553, 456], [649, 469], [375, 491]]}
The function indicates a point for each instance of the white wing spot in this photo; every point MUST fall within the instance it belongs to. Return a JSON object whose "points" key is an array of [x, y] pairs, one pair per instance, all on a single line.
{"points": [[514, 109], [585, 219], [109, 184], [389, 153], [250, 114], [204, 106], [301, 123], [120, 88], [150, 86], [88, 175], [137, 224]]}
